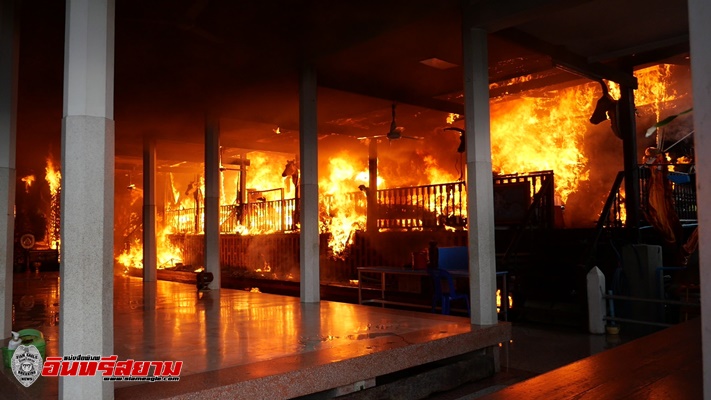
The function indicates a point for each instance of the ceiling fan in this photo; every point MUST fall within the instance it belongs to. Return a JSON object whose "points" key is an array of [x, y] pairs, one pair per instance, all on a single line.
{"points": [[395, 131]]}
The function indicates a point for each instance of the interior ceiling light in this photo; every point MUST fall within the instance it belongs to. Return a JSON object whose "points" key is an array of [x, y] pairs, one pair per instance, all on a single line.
{"points": [[439, 64]]}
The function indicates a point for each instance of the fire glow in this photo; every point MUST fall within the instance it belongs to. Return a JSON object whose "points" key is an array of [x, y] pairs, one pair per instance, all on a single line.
{"points": [[529, 133], [28, 182], [54, 178]]}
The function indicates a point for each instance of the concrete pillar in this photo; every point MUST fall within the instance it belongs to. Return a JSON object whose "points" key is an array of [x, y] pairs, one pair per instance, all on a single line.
{"points": [[480, 185], [150, 263], [87, 222], [212, 199], [308, 142], [700, 37], [8, 135]]}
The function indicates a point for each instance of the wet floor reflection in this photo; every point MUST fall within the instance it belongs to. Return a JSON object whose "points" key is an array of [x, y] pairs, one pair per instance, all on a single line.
{"points": [[35, 305], [217, 329]]}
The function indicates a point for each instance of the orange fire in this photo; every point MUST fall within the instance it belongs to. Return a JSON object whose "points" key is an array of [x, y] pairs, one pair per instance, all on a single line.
{"points": [[265, 184], [167, 254], [54, 177], [544, 133], [28, 182], [528, 133], [498, 300], [343, 207], [548, 133]]}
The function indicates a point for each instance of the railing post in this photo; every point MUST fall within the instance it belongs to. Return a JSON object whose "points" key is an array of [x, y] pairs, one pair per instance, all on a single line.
{"points": [[596, 302]]}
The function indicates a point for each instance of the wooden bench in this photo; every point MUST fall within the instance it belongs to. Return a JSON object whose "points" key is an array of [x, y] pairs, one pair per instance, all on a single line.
{"points": [[663, 365]]}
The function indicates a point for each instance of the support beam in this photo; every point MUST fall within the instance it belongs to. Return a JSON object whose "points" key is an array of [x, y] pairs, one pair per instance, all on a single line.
{"points": [[480, 186], [547, 82], [87, 204], [368, 89], [372, 192], [150, 248], [700, 38], [9, 56], [212, 200], [567, 60], [628, 130], [309, 239]]}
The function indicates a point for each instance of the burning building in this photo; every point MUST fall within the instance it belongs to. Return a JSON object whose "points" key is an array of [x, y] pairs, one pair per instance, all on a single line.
{"points": [[552, 169], [475, 119]]}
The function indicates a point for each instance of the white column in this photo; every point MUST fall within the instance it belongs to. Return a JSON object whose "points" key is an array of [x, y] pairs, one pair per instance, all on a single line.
{"points": [[8, 118], [212, 199], [700, 37], [150, 263], [308, 142], [597, 306], [480, 186], [87, 204]]}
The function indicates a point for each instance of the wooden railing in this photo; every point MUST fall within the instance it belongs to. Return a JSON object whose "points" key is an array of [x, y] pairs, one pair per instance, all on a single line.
{"points": [[428, 207], [422, 207], [538, 215], [514, 197]]}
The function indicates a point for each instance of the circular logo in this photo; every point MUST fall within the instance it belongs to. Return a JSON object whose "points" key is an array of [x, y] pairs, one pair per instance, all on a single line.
{"points": [[27, 241]]}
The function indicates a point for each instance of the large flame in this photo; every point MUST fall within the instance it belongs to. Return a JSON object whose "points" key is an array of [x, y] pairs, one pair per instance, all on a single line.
{"points": [[544, 133], [54, 178], [341, 215], [167, 254]]}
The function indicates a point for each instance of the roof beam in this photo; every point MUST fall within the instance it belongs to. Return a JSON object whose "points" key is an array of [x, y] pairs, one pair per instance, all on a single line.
{"points": [[393, 95], [545, 82], [495, 15], [567, 60]]}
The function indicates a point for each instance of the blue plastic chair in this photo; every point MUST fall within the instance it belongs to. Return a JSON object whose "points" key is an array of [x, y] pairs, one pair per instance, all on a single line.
{"points": [[445, 297]]}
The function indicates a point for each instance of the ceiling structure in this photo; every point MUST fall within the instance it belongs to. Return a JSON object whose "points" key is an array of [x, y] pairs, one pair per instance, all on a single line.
{"points": [[176, 60]]}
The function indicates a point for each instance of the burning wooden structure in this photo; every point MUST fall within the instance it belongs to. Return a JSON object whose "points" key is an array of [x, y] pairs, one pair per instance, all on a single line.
{"points": [[259, 211]]}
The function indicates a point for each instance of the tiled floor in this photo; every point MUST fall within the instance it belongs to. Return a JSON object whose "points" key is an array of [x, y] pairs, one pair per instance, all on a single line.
{"points": [[233, 337]]}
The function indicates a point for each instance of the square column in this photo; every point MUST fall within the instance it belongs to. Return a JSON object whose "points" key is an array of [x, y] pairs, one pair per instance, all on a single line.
{"points": [[150, 262], [700, 40], [87, 214], [480, 185], [8, 136], [212, 200], [308, 142]]}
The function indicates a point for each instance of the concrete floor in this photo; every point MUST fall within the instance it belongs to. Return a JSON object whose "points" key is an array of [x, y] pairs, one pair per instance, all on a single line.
{"points": [[254, 344]]}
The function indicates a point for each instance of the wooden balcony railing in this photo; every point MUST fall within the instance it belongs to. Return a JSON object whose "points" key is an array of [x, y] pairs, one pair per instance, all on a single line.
{"points": [[427, 207]]}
